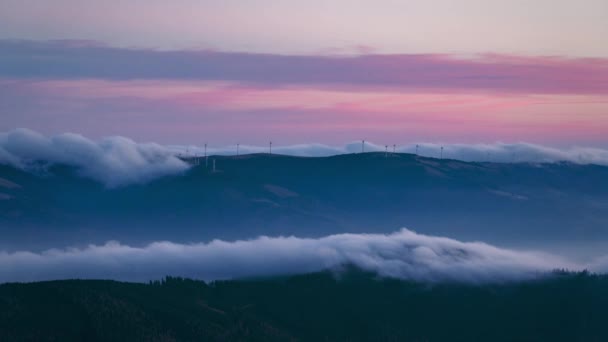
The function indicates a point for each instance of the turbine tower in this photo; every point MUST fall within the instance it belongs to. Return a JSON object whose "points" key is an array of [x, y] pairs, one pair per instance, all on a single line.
{"points": [[206, 157], [441, 155], [237, 149], [362, 146], [270, 148]]}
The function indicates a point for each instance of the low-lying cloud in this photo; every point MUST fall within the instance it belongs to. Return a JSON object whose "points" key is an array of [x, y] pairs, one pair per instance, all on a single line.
{"points": [[119, 161], [115, 161], [404, 255]]}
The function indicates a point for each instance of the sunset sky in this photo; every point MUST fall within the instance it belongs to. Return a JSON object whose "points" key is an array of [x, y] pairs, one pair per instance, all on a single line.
{"points": [[388, 71]]}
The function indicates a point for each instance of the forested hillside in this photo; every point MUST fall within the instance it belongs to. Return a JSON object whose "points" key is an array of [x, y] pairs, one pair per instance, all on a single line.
{"points": [[326, 306]]}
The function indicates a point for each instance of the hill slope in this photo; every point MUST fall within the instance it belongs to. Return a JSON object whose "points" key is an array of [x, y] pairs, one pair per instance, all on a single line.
{"points": [[279, 195]]}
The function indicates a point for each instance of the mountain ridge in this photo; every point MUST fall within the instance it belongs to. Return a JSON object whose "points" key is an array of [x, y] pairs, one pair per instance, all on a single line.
{"points": [[263, 194]]}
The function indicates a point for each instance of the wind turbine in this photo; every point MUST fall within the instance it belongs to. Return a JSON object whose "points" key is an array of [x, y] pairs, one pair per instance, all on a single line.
{"points": [[206, 157]]}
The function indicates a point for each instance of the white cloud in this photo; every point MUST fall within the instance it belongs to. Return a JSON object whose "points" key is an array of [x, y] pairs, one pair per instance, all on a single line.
{"points": [[114, 161], [404, 254]]}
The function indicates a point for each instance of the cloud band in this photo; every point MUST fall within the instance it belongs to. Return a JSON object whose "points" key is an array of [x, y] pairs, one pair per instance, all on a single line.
{"points": [[404, 254]]}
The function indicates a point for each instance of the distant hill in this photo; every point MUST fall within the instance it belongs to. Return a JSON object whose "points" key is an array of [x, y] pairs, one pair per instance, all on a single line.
{"points": [[251, 195], [353, 306]]}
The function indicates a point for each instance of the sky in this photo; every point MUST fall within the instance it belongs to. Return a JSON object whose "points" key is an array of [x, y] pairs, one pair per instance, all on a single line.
{"points": [[249, 71]]}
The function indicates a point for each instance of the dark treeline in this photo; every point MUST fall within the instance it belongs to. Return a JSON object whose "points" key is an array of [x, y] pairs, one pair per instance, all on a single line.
{"points": [[350, 306]]}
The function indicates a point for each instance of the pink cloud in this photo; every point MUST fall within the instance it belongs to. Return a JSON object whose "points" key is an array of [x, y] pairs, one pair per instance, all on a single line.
{"points": [[147, 109], [426, 73]]}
